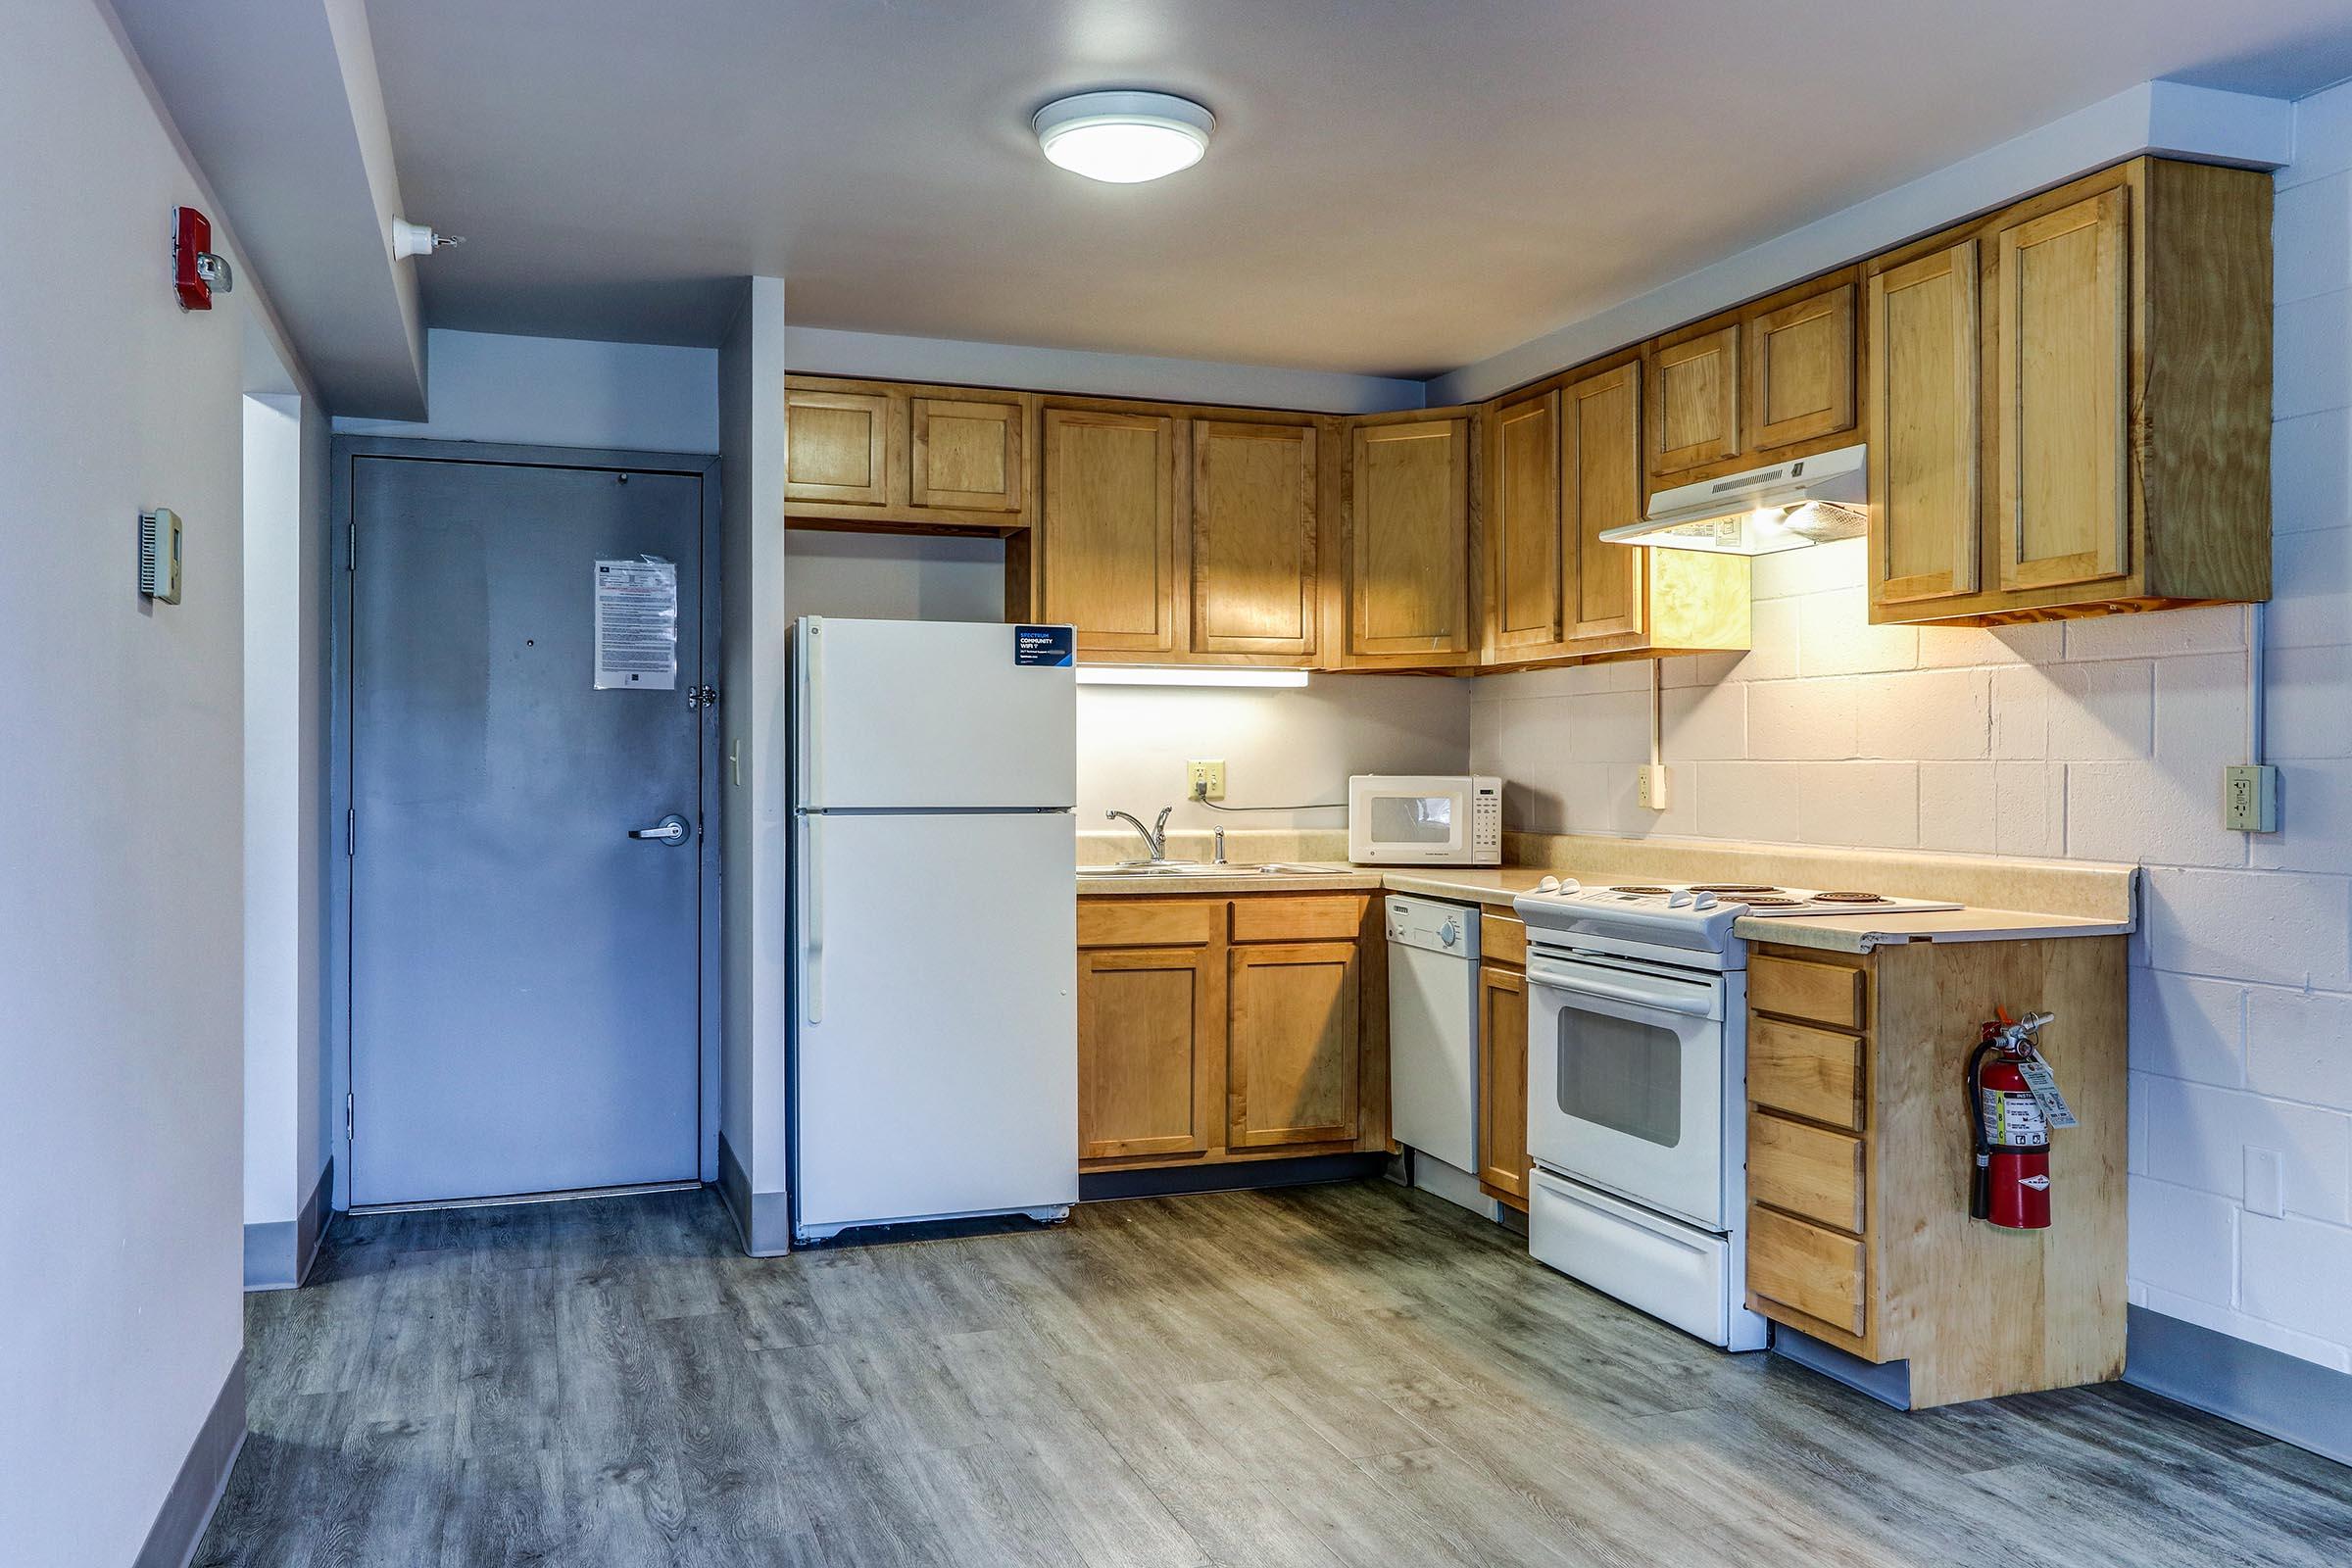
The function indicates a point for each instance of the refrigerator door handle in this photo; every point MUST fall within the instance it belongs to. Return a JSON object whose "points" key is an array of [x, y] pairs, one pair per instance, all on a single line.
{"points": [[812, 922], [813, 711]]}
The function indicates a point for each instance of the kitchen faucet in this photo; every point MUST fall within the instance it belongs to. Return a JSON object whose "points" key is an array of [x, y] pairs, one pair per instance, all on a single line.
{"points": [[1155, 837]]}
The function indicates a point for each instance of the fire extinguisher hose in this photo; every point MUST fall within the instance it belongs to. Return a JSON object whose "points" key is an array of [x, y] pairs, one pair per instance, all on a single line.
{"points": [[1972, 1087]]}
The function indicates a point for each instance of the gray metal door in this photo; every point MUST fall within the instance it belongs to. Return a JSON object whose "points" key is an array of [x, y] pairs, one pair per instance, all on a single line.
{"points": [[524, 991]]}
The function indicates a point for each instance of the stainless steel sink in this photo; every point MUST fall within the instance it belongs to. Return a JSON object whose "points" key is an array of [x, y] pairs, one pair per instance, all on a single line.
{"points": [[1177, 869]]}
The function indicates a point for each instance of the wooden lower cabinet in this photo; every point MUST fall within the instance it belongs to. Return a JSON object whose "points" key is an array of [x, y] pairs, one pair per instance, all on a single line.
{"points": [[1502, 1082], [1220, 1028], [1858, 1162]]}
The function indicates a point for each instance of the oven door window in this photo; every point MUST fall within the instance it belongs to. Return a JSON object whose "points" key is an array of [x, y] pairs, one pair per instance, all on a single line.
{"points": [[1624, 1074], [1413, 818]]}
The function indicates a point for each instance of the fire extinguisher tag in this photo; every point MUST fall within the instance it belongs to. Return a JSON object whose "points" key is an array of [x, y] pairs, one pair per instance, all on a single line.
{"points": [[2044, 1084]]}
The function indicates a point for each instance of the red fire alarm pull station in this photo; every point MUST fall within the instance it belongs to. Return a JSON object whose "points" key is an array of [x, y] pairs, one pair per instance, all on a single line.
{"points": [[195, 271]]}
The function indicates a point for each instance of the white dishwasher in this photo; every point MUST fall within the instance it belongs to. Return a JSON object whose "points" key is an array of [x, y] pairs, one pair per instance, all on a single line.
{"points": [[1433, 1044]]}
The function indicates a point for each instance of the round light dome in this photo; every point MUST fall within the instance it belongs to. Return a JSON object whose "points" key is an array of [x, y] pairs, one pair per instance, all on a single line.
{"points": [[1124, 137]]}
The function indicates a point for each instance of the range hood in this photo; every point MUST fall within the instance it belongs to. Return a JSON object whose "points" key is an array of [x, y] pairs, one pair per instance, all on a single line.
{"points": [[1805, 501]]}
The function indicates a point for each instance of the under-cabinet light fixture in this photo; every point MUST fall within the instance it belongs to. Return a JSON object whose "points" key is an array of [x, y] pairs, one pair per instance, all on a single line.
{"points": [[1171, 675]]}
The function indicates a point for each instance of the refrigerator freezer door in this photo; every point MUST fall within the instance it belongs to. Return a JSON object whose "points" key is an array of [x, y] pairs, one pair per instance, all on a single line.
{"points": [[937, 1069], [912, 714]]}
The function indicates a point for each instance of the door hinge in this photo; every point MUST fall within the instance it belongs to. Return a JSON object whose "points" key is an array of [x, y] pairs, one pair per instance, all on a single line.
{"points": [[350, 1113], [351, 833]]}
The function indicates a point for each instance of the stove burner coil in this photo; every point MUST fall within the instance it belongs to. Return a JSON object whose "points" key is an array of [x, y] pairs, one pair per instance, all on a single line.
{"points": [[1764, 903], [1735, 887], [1850, 898], [1659, 891]]}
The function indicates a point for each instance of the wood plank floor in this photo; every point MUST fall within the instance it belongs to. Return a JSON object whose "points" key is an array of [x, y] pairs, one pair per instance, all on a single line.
{"points": [[1320, 1376]]}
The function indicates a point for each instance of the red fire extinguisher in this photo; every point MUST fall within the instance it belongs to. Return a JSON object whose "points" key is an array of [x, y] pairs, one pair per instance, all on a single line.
{"points": [[2013, 1103]]}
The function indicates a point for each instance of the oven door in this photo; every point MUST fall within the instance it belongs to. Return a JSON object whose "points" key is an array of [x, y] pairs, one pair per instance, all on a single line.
{"points": [[1625, 1081], [1408, 821]]}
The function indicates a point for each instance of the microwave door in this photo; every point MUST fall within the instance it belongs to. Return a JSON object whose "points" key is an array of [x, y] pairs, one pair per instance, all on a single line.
{"points": [[1401, 826], [1626, 1087]]}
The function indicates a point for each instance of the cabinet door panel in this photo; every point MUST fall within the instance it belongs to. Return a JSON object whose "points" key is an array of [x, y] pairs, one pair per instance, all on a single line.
{"points": [[1522, 524], [1291, 1067], [1410, 526], [1695, 402], [1502, 1080], [1109, 529], [1253, 538], [836, 447], [1602, 466], [1800, 366], [2064, 361], [967, 454], [1150, 1023], [1926, 379]]}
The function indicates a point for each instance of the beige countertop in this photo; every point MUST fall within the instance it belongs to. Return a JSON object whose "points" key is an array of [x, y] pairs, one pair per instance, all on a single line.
{"points": [[1495, 887]]}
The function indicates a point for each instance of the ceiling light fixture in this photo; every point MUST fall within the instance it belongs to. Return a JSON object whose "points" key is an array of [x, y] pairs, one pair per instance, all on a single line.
{"points": [[1123, 137]]}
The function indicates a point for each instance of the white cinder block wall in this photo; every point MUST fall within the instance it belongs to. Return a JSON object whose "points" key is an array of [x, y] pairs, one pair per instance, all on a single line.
{"points": [[2096, 738]]}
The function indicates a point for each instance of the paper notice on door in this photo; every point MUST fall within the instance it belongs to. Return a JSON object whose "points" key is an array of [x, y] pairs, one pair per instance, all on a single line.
{"points": [[637, 625]]}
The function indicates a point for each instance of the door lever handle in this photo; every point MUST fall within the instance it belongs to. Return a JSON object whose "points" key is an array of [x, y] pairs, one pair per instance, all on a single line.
{"points": [[671, 829]]}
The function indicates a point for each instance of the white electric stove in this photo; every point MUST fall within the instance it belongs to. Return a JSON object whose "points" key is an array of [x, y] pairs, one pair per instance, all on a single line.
{"points": [[1637, 1088]]}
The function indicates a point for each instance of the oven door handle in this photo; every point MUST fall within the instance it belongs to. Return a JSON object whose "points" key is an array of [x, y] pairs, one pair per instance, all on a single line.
{"points": [[1702, 1005]]}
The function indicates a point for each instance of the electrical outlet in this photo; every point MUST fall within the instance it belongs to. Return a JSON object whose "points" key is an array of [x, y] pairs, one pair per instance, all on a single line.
{"points": [[1654, 787], [1205, 781], [2250, 799]]}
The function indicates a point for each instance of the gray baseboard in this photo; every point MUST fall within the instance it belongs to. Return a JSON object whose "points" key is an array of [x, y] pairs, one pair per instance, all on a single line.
{"points": [[1888, 1382], [2290, 1398], [762, 1220], [188, 1507], [279, 1254]]}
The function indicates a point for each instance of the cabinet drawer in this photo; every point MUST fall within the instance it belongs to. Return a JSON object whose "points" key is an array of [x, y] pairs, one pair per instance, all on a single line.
{"points": [[1825, 993], [1805, 1072], [1259, 918], [1502, 938], [1818, 1272], [1806, 1170], [1118, 922]]}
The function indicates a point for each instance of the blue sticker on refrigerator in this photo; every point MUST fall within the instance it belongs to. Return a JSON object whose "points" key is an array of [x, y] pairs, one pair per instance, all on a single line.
{"points": [[1054, 647]]}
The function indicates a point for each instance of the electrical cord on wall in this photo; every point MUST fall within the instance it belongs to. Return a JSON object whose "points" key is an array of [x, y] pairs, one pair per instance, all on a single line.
{"points": [[1200, 797]]}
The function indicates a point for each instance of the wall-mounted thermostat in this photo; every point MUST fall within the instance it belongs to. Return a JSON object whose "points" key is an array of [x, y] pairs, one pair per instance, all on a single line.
{"points": [[159, 555]]}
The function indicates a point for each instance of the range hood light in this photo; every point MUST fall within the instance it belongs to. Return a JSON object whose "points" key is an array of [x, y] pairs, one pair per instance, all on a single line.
{"points": [[1806, 501]]}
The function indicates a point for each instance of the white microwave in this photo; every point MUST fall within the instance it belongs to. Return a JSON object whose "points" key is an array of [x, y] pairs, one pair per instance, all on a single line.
{"points": [[1424, 819]]}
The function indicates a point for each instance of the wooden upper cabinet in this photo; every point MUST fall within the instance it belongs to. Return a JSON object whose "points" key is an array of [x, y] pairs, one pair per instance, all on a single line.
{"points": [[2061, 392], [1108, 548], [1693, 412], [1800, 370], [837, 447], [1150, 1050], [1520, 520], [1255, 588], [1602, 421], [967, 454], [1521, 527], [910, 459], [1292, 1058], [1924, 378], [1408, 567]]}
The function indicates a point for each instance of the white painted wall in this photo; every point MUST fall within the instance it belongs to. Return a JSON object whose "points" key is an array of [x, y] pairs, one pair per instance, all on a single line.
{"points": [[286, 568], [121, 1050], [889, 577], [560, 392], [752, 736], [2100, 739], [823, 350]]}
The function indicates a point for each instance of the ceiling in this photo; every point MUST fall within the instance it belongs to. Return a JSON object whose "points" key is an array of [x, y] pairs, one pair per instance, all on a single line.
{"points": [[1397, 187]]}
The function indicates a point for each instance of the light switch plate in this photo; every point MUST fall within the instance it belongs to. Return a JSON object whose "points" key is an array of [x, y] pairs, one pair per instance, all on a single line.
{"points": [[2250, 799], [1205, 781], [1654, 787]]}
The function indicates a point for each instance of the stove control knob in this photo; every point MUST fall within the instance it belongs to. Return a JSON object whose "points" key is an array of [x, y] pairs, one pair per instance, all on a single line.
{"points": [[1675, 901], [1550, 884], [1705, 900]]}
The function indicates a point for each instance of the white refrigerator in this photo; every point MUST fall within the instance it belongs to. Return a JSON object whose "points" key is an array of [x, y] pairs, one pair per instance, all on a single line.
{"points": [[934, 931]]}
